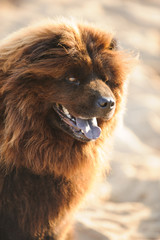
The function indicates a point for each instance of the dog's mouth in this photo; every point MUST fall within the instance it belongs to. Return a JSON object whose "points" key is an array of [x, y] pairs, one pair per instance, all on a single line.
{"points": [[80, 128]]}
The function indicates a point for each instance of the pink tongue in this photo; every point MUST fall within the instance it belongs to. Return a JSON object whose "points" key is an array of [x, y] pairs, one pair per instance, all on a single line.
{"points": [[89, 127]]}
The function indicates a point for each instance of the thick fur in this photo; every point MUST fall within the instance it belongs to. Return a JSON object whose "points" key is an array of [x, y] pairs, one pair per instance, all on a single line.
{"points": [[45, 172]]}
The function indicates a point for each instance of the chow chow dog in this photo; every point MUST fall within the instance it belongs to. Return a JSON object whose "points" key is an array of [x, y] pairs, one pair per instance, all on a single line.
{"points": [[62, 87]]}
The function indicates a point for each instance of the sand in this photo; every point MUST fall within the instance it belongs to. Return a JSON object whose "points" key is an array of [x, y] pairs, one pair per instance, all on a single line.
{"points": [[127, 203]]}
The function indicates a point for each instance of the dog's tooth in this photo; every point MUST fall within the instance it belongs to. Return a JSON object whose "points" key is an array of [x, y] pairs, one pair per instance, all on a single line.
{"points": [[68, 115], [66, 111], [94, 121]]}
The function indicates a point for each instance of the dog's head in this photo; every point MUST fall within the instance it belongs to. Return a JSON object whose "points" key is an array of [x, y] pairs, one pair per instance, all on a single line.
{"points": [[67, 76]]}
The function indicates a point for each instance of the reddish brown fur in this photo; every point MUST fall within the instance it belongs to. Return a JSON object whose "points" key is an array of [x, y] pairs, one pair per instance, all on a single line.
{"points": [[45, 172]]}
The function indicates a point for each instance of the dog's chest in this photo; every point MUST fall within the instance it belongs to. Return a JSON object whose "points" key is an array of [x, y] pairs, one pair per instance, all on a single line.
{"points": [[33, 202]]}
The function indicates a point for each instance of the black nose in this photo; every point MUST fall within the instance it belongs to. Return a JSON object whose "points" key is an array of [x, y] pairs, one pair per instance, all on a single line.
{"points": [[106, 102]]}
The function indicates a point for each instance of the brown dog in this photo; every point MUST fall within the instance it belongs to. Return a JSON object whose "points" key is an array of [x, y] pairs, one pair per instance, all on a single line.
{"points": [[61, 91]]}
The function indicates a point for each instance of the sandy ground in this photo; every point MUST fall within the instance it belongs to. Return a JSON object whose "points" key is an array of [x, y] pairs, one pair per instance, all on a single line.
{"points": [[127, 205]]}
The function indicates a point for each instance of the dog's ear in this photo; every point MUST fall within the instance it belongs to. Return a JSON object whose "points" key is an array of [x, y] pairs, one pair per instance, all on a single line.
{"points": [[45, 49], [22, 53]]}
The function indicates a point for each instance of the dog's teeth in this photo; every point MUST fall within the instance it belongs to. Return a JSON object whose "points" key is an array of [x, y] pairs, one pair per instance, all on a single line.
{"points": [[68, 115], [66, 112]]}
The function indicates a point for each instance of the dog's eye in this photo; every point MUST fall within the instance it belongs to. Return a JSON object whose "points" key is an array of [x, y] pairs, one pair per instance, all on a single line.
{"points": [[73, 80], [106, 80], [113, 45]]}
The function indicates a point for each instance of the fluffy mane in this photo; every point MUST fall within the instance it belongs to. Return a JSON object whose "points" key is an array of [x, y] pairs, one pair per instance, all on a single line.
{"points": [[31, 61]]}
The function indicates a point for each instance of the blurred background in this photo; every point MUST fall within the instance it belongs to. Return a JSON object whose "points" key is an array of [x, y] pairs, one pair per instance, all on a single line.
{"points": [[128, 202]]}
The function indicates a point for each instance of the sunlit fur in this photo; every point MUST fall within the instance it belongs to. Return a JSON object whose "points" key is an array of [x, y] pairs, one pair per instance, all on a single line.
{"points": [[44, 172]]}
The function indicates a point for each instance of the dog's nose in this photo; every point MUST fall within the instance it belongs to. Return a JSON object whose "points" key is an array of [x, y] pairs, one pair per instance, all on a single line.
{"points": [[106, 102]]}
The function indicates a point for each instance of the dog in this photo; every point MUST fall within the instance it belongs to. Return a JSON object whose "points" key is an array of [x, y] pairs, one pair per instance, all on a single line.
{"points": [[62, 89]]}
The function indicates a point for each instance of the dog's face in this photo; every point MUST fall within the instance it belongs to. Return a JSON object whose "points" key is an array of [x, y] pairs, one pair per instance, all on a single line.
{"points": [[86, 99], [84, 95], [77, 75]]}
